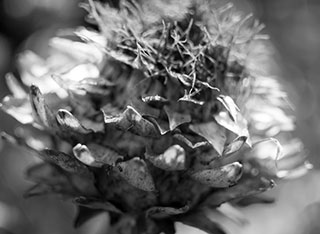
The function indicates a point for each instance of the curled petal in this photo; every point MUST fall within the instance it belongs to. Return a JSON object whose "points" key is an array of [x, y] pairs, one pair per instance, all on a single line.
{"points": [[229, 104], [239, 126], [96, 155], [221, 177], [131, 120], [137, 124], [235, 145], [185, 140], [162, 126], [83, 154], [40, 108], [212, 132], [172, 159], [68, 122]]}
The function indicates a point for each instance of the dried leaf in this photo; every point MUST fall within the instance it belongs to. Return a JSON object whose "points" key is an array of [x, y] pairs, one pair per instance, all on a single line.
{"points": [[136, 173], [212, 132], [138, 124], [83, 154], [94, 125], [162, 126], [131, 120], [96, 155], [96, 204], [160, 212], [235, 145], [229, 104], [172, 159], [198, 219], [65, 161], [247, 186], [40, 108], [189, 143], [221, 177], [68, 122], [238, 126], [205, 160], [176, 119]]}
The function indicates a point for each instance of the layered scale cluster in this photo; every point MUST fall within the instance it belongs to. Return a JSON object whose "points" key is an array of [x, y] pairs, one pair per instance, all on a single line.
{"points": [[159, 117]]}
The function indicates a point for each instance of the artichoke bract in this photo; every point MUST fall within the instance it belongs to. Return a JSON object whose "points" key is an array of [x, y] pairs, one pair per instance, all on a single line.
{"points": [[163, 115]]}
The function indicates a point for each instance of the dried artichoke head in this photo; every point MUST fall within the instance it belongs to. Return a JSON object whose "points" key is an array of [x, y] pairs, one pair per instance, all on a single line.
{"points": [[156, 118]]}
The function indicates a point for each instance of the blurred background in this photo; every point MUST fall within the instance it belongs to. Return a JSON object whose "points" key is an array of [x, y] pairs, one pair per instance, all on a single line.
{"points": [[294, 27]]}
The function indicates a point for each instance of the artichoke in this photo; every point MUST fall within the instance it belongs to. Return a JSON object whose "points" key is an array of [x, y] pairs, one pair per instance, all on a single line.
{"points": [[163, 115]]}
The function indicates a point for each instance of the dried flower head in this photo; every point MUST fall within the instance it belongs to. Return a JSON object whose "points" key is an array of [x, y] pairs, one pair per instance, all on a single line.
{"points": [[159, 117]]}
